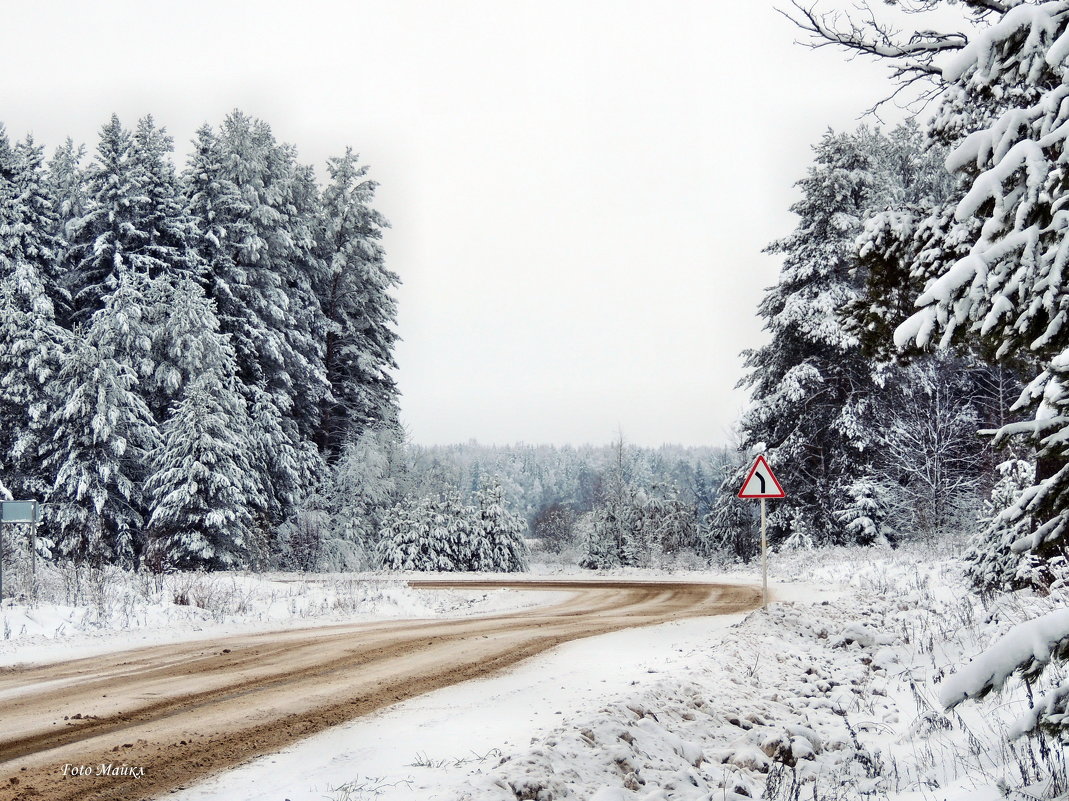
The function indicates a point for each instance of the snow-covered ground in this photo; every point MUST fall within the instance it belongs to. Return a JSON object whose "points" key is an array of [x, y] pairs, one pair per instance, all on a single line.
{"points": [[830, 694]]}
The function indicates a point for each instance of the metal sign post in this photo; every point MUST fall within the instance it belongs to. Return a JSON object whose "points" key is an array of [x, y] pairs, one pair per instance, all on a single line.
{"points": [[761, 483], [764, 560]]}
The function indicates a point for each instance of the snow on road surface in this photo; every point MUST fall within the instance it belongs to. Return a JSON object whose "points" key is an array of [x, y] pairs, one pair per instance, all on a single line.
{"points": [[830, 693], [217, 605], [186, 711], [466, 723], [425, 747]]}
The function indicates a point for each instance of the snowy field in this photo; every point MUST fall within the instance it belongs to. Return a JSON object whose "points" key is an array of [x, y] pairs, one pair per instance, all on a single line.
{"points": [[830, 694]]}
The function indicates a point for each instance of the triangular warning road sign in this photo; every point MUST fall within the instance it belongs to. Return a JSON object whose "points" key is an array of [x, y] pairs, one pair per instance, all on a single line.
{"points": [[761, 483]]}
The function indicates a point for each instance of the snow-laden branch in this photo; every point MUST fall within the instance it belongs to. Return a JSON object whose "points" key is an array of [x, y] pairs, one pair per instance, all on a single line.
{"points": [[1025, 649]]}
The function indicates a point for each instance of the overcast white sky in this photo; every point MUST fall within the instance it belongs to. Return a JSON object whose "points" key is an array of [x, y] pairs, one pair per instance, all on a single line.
{"points": [[579, 189]]}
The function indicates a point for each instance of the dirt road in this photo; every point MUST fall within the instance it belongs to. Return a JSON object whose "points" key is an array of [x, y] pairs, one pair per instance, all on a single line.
{"points": [[176, 713]]}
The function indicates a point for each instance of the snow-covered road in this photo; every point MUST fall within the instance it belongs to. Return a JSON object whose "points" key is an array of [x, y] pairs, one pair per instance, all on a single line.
{"points": [[182, 711]]}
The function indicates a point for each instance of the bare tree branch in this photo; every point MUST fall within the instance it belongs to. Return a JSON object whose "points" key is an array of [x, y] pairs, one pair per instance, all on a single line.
{"points": [[870, 36], [911, 57]]}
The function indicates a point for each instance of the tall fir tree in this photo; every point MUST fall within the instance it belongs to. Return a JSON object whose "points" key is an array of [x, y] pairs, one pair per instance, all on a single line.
{"points": [[164, 216], [31, 341], [812, 390], [257, 244], [66, 183], [354, 292], [97, 441], [202, 490]]}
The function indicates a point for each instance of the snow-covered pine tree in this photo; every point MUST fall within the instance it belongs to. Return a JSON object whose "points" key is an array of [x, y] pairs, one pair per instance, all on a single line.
{"points": [[730, 527], [185, 341], [256, 238], [427, 536], [253, 292], [499, 536], [202, 489], [96, 444], [354, 292], [66, 185], [812, 390], [28, 238], [991, 564], [217, 209], [914, 199], [164, 216], [206, 485], [866, 511], [114, 233], [403, 544], [30, 339], [1006, 290]]}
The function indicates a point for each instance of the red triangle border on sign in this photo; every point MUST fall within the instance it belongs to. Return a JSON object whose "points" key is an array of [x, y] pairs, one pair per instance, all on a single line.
{"points": [[779, 490]]}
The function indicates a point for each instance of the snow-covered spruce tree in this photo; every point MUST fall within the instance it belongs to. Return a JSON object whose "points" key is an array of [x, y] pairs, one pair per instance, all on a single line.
{"points": [[206, 486], [96, 444], [499, 544], [354, 292], [202, 489], [991, 563], [30, 338], [263, 291], [129, 223], [1006, 292], [813, 393], [66, 185], [256, 222], [865, 514], [403, 543], [170, 228], [30, 220], [730, 527], [435, 534], [184, 340]]}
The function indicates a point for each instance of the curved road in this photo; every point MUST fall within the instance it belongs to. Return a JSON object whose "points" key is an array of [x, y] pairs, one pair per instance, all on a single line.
{"points": [[186, 710]]}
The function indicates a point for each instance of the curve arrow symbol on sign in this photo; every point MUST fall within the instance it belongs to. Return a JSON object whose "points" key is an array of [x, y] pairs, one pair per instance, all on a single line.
{"points": [[761, 482]]}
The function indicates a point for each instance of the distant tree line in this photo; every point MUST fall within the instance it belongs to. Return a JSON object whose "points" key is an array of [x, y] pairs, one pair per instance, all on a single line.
{"points": [[184, 353], [600, 507]]}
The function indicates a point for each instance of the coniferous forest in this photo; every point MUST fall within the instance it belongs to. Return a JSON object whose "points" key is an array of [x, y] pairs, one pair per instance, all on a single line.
{"points": [[186, 349]]}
